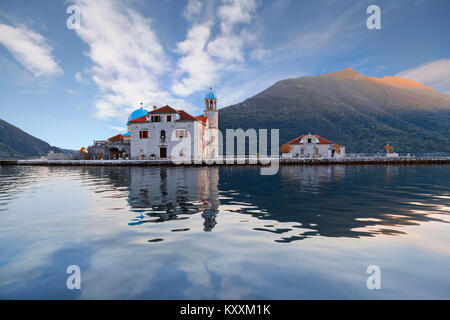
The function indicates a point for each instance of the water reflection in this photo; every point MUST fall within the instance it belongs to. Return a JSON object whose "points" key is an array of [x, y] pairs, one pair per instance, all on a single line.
{"points": [[339, 201], [300, 202], [13, 179], [164, 194], [208, 232]]}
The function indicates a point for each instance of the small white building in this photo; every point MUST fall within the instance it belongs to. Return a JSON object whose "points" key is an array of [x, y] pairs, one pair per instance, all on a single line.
{"points": [[313, 146]]}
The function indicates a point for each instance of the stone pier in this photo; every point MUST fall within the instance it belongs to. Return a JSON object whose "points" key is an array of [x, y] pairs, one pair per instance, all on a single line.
{"points": [[234, 162]]}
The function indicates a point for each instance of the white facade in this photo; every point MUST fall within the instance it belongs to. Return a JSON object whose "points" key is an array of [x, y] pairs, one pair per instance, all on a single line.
{"points": [[212, 144], [169, 134], [313, 146], [161, 139]]}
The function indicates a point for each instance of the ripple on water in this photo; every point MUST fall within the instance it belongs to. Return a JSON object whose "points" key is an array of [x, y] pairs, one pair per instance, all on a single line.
{"points": [[222, 232]]}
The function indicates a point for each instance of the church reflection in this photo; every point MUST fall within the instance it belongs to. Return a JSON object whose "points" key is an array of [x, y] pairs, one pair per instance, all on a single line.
{"points": [[172, 193], [300, 202]]}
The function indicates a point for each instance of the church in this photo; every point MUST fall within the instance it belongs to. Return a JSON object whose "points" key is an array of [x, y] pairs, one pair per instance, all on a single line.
{"points": [[165, 133], [312, 146]]}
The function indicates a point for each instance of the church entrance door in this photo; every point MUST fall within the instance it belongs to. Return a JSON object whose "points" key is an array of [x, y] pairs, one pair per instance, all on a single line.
{"points": [[163, 153]]}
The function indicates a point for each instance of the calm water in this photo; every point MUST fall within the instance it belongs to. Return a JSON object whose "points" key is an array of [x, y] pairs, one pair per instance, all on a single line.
{"points": [[225, 233]]}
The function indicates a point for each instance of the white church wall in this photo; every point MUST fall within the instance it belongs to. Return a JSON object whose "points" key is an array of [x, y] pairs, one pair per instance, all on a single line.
{"points": [[323, 150], [151, 145]]}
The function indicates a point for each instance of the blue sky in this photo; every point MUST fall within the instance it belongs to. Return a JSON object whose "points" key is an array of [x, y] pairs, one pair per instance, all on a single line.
{"points": [[69, 87]]}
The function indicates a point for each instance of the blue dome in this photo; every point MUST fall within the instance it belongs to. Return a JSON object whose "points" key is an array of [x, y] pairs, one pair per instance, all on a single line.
{"points": [[137, 114], [210, 94]]}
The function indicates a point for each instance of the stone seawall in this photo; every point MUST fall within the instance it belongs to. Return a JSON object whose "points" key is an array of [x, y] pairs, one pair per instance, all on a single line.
{"points": [[235, 161]]}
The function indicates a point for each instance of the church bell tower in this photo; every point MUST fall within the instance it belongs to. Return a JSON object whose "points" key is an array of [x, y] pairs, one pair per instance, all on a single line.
{"points": [[213, 118]]}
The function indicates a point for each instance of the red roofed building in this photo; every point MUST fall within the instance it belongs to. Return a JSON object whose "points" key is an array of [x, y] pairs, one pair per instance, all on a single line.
{"points": [[116, 147], [203, 119], [313, 146], [117, 137], [172, 134], [165, 133]]}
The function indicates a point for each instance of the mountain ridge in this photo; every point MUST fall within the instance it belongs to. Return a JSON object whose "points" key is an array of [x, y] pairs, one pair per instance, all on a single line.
{"points": [[398, 82], [18, 144], [350, 109]]}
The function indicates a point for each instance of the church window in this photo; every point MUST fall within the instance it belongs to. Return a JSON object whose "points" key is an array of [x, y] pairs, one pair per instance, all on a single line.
{"points": [[143, 134], [181, 133]]}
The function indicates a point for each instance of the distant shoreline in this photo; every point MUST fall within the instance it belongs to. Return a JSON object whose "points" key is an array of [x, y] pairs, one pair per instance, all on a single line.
{"points": [[236, 162]]}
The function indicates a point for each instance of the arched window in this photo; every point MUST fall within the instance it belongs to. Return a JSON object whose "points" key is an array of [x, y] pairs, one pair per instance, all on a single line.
{"points": [[163, 133]]}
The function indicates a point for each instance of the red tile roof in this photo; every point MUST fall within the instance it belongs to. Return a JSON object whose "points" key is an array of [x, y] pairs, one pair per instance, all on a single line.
{"points": [[202, 119], [165, 109], [184, 116], [117, 137], [321, 140], [140, 119]]}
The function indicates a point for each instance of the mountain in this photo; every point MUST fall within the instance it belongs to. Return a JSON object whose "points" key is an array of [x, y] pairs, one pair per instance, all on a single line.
{"points": [[17, 144], [363, 113], [403, 84]]}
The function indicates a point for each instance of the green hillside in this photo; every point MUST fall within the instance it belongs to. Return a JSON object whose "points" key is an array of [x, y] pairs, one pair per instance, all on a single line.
{"points": [[348, 109], [17, 144]]}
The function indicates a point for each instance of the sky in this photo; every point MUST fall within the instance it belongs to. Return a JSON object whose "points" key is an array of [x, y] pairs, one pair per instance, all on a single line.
{"points": [[69, 86]]}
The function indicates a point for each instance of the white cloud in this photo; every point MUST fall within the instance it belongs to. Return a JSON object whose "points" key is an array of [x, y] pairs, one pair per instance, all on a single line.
{"points": [[196, 64], [227, 47], [259, 54], [205, 59], [120, 129], [192, 10], [129, 62], [30, 49], [80, 78], [127, 56], [234, 12], [435, 74]]}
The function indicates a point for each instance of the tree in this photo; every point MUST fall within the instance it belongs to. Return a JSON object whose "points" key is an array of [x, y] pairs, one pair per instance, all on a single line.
{"points": [[286, 148], [84, 153]]}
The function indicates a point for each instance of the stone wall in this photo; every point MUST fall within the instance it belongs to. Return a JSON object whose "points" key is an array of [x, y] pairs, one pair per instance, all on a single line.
{"points": [[109, 150], [64, 156]]}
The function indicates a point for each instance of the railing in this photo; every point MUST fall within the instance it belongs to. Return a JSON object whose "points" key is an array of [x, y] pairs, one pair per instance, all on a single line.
{"points": [[400, 155]]}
